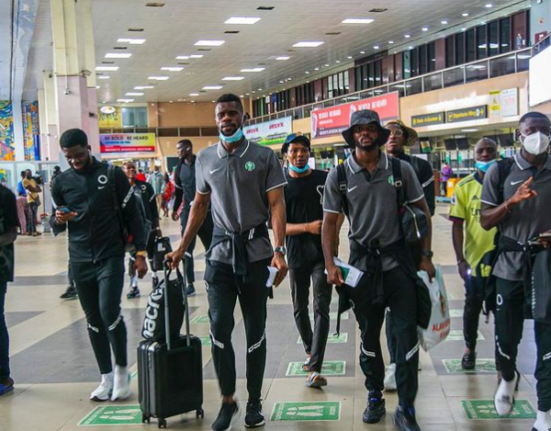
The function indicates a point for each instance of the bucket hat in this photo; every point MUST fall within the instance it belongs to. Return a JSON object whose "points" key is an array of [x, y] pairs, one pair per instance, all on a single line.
{"points": [[363, 118], [412, 135]]}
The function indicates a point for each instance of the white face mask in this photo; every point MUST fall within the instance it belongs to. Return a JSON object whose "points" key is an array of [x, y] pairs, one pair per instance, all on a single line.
{"points": [[536, 143]]}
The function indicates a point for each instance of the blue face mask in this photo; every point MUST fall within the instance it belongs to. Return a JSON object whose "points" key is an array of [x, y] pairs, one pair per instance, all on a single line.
{"points": [[484, 166], [236, 137], [299, 170]]}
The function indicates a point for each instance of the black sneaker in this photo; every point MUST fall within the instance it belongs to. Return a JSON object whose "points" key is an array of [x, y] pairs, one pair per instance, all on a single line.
{"points": [[468, 362], [134, 292], [70, 293], [254, 417], [404, 419], [375, 409], [225, 416], [190, 290]]}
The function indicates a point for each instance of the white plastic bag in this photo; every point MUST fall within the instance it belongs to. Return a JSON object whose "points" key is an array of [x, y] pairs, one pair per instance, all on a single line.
{"points": [[439, 326]]}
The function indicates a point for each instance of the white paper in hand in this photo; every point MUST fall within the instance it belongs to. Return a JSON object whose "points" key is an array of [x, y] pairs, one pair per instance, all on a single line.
{"points": [[271, 276], [350, 274]]}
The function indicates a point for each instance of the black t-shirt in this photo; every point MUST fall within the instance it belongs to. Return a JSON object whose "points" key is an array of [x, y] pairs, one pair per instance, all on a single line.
{"points": [[8, 221], [304, 200]]}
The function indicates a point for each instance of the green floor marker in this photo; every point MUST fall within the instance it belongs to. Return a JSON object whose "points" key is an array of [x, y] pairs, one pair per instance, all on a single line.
{"points": [[333, 339], [457, 335], [200, 319], [205, 341], [134, 375], [113, 415], [485, 410], [483, 366], [329, 368], [456, 312], [307, 411], [333, 315]]}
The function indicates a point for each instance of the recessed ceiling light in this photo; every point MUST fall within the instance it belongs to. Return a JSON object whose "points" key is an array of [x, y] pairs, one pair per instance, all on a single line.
{"points": [[194, 94], [407, 36], [410, 47], [196, 56], [391, 42], [326, 65], [469, 130], [307, 44], [376, 46], [134, 94], [125, 100], [159, 78], [182, 57], [212, 87], [260, 89], [338, 61], [307, 73], [254, 69], [233, 78], [283, 58], [488, 5], [349, 57], [97, 87], [104, 77], [357, 21], [317, 68], [425, 29], [144, 87], [444, 22], [210, 42], [118, 55], [466, 14], [172, 68], [464, 29], [131, 41], [242, 20], [107, 68], [362, 52]]}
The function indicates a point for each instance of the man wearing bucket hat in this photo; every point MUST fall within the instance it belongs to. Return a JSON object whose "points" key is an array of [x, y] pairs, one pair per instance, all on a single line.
{"points": [[303, 202], [400, 137], [368, 197]]}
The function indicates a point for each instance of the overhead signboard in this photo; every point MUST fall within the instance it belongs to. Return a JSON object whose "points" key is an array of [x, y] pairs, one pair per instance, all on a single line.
{"points": [[333, 121], [114, 143], [428, 119], [270, 133], [467, 114]]}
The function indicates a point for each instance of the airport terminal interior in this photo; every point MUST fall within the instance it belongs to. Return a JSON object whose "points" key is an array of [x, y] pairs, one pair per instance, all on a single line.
{"points": [[138, 76]]}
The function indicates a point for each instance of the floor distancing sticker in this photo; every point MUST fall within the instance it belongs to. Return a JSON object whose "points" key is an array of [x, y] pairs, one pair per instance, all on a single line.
{"points": [[307, 411], [329, 368], [205, 341], [483, 366], [456, 312], [113, 415], [200, 319], [333, 338], [485, 410]]}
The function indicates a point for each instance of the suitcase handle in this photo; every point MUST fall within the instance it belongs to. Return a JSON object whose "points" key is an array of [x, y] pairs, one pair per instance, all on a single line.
{"points": [[182, 281]]}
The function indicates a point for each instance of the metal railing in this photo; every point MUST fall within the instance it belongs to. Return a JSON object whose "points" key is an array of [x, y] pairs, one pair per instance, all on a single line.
{"points": [[491, 67]]}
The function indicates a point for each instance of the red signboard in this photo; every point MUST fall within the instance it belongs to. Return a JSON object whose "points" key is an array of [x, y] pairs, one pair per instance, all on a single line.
{"points": [[333, 121]]}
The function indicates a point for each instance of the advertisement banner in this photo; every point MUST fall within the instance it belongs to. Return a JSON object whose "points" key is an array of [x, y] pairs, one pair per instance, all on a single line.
{"points": [[270, 133], [509, 102], [333, 121], [127, 143], [110, 117]]}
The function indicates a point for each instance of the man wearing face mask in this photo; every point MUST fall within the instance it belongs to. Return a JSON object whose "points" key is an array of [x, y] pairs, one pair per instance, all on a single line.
{"points": [[378, 249], [303, 201], [242, 182], [518, 203], [474, 258]]}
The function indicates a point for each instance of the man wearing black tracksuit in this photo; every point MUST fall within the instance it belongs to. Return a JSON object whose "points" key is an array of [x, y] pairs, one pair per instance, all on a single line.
{"points": [[90, 204]]}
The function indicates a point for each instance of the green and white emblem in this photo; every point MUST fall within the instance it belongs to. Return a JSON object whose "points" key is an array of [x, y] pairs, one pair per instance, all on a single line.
{"points": [[250, 166], [391, 180]]}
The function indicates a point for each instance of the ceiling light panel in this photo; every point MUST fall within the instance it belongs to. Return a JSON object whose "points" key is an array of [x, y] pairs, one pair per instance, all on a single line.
{"points": [[118, 55], [242, 20], [233, 78], [125, 100], [172, 68], [212, 87], [210, 42], [196, 56], [107, 68], [134, 94], [253, 70], [307, 44], [131, 41], [144, 87], [358, 21], [158, 78]]}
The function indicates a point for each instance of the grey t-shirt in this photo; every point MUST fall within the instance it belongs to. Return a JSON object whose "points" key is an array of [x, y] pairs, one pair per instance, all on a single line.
{"points": [[238, 184], [372, 204], [526, 220]]}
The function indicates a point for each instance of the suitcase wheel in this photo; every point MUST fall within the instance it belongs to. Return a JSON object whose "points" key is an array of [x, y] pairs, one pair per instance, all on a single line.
{"points": [[145, 418], [161, 423], [200, 413]]}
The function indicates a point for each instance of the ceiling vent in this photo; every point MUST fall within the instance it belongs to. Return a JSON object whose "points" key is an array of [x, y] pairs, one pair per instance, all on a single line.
{"points": [[204, 49], [378, 10], [265, 8], [334, 33], [135, 29], [107, 62], [231, 32], [120, 47], [154, 4]]}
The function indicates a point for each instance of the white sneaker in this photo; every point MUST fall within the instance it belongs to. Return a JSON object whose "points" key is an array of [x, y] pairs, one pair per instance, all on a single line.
{"points": [[121, 386], [543, 423], [390, 378], [105, 388], [504, 398]]}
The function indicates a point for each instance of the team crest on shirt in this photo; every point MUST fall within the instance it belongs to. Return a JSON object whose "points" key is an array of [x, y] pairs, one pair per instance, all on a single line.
{"points": [[454, 200], [391, 180], [250, 166]]}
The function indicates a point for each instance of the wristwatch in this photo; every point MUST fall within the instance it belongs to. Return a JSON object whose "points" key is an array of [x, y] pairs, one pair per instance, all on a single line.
{"points": [[428, 253], [282, 250], [142, 253]]}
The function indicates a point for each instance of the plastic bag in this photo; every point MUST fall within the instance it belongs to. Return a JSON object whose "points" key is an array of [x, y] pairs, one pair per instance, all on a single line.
{"points": [[439, 325]]}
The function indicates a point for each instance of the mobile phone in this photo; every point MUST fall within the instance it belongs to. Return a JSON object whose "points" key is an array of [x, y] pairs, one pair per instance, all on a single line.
{"points": [[545, 235], [63, 210]]}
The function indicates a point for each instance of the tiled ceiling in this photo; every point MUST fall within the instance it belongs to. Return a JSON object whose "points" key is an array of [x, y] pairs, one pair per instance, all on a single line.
{"points": [[173, 30]]}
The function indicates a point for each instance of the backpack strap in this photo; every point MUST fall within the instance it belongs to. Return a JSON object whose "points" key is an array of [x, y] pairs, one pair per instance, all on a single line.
{"points": [[398, 181], [504, 167], [343, 186], [415, 165]]}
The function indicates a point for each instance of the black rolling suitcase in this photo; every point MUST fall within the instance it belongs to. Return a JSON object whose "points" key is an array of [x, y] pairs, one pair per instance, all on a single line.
{"points": [[170, 373]]}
